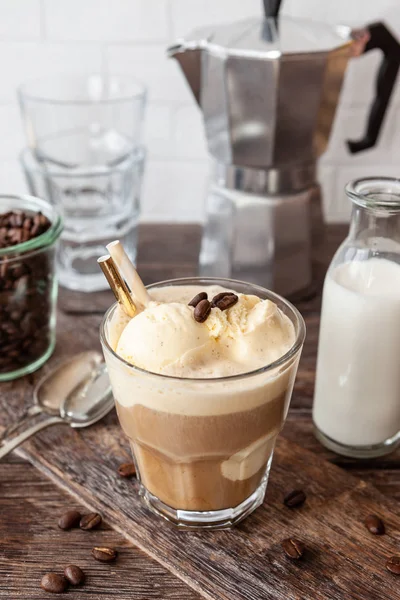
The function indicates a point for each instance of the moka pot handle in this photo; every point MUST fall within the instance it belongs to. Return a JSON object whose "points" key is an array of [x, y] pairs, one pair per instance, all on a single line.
{"points": [[382, 38]]}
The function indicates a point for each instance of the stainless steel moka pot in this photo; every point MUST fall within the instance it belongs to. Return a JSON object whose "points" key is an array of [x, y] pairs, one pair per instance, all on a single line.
{"points": [[268, 89]]}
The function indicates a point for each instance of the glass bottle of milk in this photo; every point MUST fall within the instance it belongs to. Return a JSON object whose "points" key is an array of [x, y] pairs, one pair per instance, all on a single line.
{"points": [[357, 395]]}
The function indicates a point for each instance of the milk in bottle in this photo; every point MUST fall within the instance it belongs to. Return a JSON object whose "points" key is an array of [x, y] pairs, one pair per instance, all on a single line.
{"points": [[357, 391]]}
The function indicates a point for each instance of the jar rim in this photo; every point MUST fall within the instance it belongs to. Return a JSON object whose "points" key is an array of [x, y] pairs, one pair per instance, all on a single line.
{"points": [[375, 193], [41, 241]]}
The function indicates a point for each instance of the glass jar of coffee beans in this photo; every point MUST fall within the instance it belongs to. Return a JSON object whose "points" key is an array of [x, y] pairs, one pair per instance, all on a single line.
{"points": [[29, 230]]}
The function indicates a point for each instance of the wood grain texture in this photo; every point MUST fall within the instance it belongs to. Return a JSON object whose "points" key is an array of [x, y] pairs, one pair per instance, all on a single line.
{"points": [[343, 561], [32, 544]]}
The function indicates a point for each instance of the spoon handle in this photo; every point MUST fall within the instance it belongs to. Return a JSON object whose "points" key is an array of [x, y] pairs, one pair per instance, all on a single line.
{"points": [[24, 418], [10, 444]]}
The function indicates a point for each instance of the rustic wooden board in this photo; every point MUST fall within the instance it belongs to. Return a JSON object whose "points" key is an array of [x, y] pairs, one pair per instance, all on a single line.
{"points": [[343, 561], [32, 544]]}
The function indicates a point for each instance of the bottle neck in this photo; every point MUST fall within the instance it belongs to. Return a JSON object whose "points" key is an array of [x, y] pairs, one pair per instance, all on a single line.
{"points": [[367, 223], [375, 221]]}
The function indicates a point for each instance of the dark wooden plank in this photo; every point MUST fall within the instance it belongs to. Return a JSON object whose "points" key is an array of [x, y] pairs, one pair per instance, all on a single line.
{"points": [[32, 544], [247, 563]]}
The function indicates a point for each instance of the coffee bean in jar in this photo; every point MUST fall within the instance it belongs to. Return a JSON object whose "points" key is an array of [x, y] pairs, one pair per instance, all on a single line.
{"points": [[29, 230]]}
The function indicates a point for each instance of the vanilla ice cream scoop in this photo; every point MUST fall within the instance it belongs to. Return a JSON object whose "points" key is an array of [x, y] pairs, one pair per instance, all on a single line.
{"points": [[165, 338], [160, 336], [259, 332]]}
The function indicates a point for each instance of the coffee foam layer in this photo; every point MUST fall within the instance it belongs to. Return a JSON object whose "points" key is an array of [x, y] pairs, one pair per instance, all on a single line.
{"points": [[197, 398]]}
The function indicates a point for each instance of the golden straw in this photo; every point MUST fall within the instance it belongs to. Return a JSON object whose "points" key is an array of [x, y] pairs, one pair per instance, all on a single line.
{"points": [[117, 284], [131, 276]]}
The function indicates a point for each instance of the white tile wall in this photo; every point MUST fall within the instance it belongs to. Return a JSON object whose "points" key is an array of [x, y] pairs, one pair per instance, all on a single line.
{"points": [[150, 64], [21, 61], [43, 37], [11, 181], [107, 20], [188, 14], [11, 137], [348, 12], [175, 188], [20, 20]]}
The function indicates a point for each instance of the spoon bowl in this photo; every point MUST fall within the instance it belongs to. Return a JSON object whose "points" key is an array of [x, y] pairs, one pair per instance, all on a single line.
{"points": [[82, 403], [51, 390], [90, 401]]}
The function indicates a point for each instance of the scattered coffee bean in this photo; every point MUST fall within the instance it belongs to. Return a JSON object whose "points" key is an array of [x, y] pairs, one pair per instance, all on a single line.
{"points": [[74, 574], [202, 311], [293, 548], [393, 565], [54, 583], [374, 525], [294, 499], [201, 296], [69, 520], [127, 470], [104, 554], [90, 521], [224, 300]]}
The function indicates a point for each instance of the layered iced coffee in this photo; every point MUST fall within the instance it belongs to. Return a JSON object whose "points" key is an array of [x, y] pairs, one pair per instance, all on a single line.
{"points": [[203, 394]]}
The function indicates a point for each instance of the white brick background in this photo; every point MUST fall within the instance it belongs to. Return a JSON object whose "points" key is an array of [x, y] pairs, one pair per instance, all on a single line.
{"points": [[44, 37]]}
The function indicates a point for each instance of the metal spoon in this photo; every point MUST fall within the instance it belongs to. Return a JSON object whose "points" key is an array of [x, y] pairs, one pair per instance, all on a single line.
{"points": [[86, 404], [50, 392]]}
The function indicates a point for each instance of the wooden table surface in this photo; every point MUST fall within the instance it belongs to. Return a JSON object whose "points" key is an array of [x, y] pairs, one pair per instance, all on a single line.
{"points": [[30, 504]]}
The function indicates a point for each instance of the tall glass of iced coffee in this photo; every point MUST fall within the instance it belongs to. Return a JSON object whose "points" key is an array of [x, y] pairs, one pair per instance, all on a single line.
{"points": [[202, 378]]}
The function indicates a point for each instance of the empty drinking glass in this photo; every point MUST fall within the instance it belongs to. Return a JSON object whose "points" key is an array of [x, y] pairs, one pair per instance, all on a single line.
{"points": [[81, 121], [99, 204], [84, 153]]}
